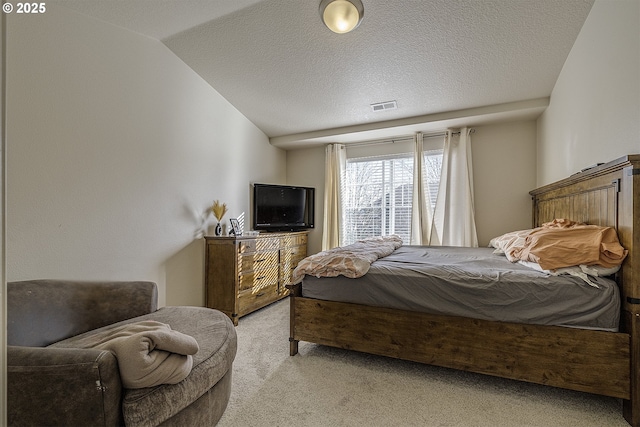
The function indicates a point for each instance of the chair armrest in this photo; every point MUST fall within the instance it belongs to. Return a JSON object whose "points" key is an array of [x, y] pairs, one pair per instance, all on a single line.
{"points": [[41, 312], [51, 386]]}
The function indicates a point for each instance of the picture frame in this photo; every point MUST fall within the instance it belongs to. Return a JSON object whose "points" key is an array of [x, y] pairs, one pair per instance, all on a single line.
{"points": [[235, 227]]}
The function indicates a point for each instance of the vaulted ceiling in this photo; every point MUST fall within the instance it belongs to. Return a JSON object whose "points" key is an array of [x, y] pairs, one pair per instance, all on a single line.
{"points": [[444, 62]]}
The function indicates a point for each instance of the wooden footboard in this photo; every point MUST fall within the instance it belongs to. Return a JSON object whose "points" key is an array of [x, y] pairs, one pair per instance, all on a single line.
{"points": [[576, 359]]}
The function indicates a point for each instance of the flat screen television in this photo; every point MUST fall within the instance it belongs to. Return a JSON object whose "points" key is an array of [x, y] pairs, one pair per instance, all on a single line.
{"points": [[282, 207]]}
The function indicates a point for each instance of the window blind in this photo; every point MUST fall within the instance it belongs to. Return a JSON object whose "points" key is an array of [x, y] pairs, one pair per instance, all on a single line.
{"points": [[377, 194]]}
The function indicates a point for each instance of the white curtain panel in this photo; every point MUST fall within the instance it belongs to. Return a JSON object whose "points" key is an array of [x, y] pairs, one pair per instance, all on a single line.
{"points": [[335, 165], [420, 213], [453, 218]]}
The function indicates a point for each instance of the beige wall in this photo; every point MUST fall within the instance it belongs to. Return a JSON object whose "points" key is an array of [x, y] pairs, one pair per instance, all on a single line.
{"points": [[594, 113], [115, 150], [305, 167], [503, 168], [504, 171]]}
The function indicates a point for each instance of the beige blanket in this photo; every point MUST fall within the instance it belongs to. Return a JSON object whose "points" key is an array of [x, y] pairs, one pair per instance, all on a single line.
{"points": [[149, 353], [350, 261], [564, 243]]}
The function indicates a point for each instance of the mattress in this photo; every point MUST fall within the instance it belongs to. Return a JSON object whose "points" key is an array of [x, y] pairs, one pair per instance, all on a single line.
{"points": [[475, 283]]}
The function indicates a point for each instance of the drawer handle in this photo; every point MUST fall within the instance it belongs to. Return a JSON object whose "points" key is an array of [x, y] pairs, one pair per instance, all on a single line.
{"points": [[261, 260], [260, 278], [260, 294]]}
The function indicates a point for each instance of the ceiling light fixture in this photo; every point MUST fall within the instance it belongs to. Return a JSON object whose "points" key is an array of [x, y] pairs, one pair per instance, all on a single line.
{"points": [[341, 16]]}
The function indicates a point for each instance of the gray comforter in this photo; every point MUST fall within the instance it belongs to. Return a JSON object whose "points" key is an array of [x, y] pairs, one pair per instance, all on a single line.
{"points": [[476, 283]]}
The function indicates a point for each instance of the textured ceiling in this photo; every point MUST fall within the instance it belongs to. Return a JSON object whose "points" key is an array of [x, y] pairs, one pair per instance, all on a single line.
{"points": [[158, 19], [282, 68]]}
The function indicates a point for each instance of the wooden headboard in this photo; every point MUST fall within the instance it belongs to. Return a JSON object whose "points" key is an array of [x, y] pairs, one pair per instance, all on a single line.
{"points": [[607, 195]]}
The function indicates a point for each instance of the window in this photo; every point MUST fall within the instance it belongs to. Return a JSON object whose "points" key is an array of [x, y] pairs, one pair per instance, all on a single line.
{"points": [[432, 167], [377, 194]]}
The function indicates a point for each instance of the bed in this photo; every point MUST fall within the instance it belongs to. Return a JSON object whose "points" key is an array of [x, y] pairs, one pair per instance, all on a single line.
{"points": [[598, 360]]}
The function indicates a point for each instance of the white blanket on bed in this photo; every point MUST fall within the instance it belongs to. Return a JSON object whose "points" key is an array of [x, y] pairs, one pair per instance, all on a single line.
{"points": [[350, 261]]}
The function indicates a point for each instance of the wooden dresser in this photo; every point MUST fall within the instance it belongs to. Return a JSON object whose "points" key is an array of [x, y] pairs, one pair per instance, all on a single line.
{"points": [[243, 274]]}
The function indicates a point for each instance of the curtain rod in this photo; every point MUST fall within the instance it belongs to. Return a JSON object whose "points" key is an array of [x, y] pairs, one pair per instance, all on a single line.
{"points": [[403, 138]]}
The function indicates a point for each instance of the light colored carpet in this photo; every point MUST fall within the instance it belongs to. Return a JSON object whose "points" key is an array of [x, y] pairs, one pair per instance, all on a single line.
{"points": [[323, 386]]}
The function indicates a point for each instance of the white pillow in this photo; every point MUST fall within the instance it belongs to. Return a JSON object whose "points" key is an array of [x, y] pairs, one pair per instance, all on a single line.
{"points": [[506, 243], [581, 271]]}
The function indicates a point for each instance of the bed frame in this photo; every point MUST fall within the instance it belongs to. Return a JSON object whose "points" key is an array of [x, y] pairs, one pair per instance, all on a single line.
{"points": [[604, 363]]}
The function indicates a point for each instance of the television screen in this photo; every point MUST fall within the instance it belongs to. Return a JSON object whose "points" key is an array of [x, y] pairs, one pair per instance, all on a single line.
{"points": [[282, 207]]}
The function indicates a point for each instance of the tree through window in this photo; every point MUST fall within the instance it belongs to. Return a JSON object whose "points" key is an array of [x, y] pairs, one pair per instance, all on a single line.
{"points": [[377, 194]]}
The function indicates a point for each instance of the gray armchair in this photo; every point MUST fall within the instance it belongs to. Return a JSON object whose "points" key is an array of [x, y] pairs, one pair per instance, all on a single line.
{"points": [[51, 382]]}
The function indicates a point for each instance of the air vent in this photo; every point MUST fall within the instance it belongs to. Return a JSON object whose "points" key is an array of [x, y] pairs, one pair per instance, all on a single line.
{"points": [[384, 106]]}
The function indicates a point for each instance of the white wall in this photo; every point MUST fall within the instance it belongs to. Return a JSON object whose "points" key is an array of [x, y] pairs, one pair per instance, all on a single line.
{"points": [[115, 150], [504, 171], [594, 113]]}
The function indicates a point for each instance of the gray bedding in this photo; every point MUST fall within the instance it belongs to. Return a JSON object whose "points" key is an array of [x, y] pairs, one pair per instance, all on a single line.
{"points": [[476, 283]]}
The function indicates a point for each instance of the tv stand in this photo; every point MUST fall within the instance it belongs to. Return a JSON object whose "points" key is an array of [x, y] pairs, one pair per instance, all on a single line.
{"points": [[246, 273]]}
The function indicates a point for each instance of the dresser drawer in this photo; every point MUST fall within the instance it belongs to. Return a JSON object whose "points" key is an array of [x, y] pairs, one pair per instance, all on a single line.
{"points": [[257, 260], [249, 301], [259, 244], [289, 264], [255, 280], [289, 259], [286, 271], [297, 240], [293, 253]]}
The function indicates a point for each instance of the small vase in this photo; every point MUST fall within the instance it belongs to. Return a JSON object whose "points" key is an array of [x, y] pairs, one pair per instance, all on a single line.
{"points": [[218, 230]]}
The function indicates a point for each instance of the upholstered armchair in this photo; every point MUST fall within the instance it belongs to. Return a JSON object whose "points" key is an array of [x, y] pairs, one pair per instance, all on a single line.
{"points": [[53, 380]]}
